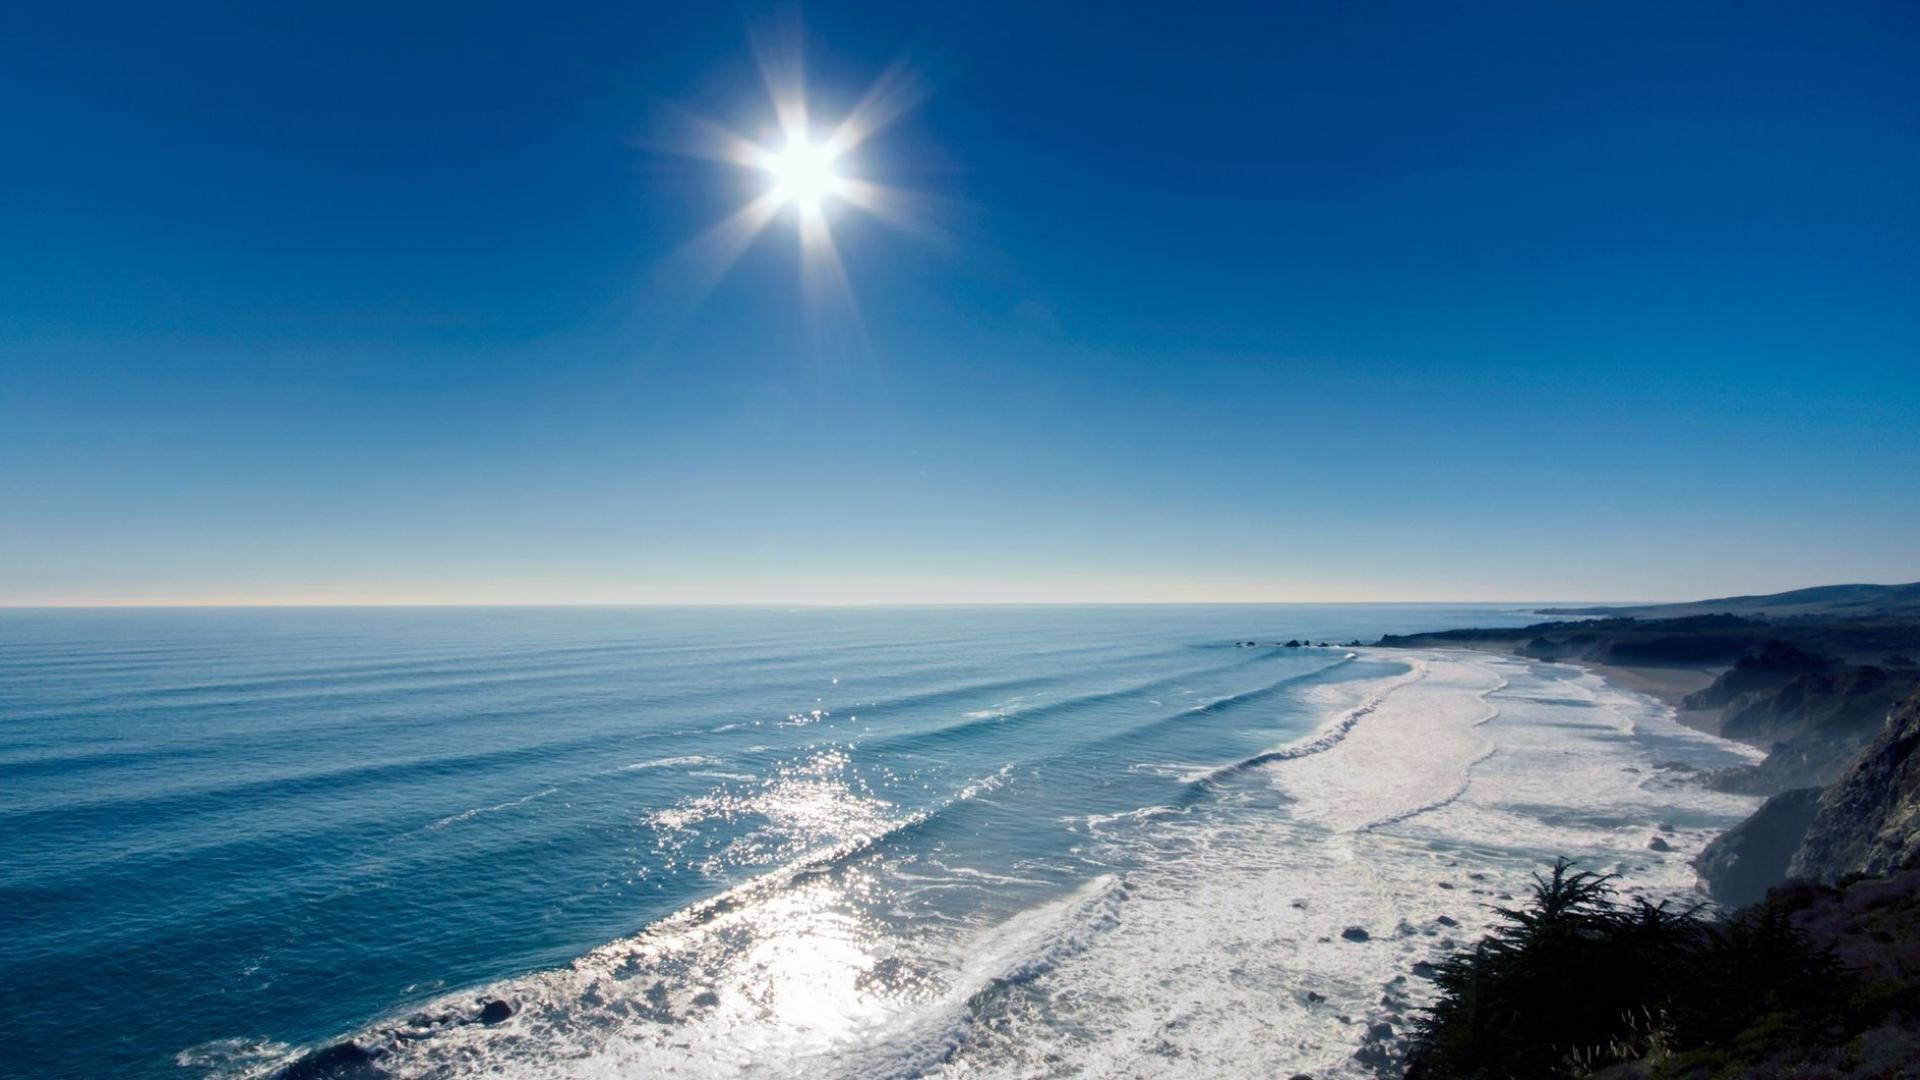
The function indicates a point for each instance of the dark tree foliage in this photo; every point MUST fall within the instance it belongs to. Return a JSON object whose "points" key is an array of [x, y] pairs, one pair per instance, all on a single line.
{"points": [[1578, 980]]}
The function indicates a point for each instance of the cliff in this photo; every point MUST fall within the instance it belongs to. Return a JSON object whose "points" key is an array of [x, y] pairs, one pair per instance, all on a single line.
{"points": [[1869, 821], [1741, 864]]}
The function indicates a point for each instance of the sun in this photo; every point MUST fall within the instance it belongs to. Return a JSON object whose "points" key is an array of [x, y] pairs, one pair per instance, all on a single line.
{"points": [[805, 174], [816, 174]]}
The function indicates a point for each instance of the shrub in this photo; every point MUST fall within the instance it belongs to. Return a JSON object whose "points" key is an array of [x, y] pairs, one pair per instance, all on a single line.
{"points": [[1577, 981]]}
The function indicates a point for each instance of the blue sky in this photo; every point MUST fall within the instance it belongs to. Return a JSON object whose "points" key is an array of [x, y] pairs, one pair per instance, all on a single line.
{"points": [[376, 303]]}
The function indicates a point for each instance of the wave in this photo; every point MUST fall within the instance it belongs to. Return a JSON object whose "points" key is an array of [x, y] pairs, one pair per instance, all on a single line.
{"points": [[621, 990], [1217, 707], [1466, 772], [1040, 711], [1458, 793], [1319, 743], [469, 815], [1095, 822], [209, 791], [683, 761]]}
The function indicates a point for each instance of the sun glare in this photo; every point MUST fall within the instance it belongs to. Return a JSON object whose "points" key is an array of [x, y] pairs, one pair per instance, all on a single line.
{"points": [[804, 173], [805, 170]]}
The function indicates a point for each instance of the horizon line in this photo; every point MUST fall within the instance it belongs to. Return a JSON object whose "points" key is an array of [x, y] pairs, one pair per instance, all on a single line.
{"points": [[298, 604]]}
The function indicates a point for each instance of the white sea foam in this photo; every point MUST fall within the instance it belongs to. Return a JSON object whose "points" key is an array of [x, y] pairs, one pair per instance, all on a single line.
{"points": [[468, 815], [682, 762], [1452, 789]]}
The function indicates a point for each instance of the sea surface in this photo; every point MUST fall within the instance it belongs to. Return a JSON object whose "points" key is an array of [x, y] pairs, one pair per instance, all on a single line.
{"points": [[1096, 841]]}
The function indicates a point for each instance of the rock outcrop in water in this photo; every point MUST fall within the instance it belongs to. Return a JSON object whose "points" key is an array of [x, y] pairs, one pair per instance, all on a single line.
{"points": [[1869, 822], [341, 1061]]}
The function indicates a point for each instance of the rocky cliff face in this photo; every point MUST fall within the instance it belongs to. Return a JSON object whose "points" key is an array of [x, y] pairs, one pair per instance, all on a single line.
{"points": [[1843, 702], [1815, 715], [1869, 821], [1745, 861]]}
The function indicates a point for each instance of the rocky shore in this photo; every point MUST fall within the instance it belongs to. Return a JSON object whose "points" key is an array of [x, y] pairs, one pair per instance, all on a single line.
{"points": [[1824, 876]]}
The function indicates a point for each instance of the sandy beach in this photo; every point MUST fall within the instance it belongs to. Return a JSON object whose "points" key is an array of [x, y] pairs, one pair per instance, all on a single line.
{"points": [[1668, 684]]}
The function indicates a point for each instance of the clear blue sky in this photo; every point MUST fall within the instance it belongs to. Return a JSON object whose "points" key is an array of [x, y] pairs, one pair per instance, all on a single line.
{"points": [[363, 302]]}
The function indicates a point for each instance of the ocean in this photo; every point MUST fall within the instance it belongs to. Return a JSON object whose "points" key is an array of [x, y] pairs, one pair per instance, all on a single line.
{"points": [[869, 842]]}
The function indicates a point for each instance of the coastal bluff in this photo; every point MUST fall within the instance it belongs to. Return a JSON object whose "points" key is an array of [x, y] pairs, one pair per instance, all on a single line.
{"points": [[1869, 822]]}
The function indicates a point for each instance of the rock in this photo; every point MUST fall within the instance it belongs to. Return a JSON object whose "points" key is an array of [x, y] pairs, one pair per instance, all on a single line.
{"points": [[1374, 1056], [341, 1061], [1447, 920], [495, 1011], [1355, 933], [1868, 822], [1381, 1032], [1658, 844], [1300, 1076], [705, 999], [1292, 644], [1316, 997], [1424, 969], [1750, 858]]}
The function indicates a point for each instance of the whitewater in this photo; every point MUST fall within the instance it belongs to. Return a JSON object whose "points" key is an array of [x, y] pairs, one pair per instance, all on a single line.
{"points": [[1132, 842]]}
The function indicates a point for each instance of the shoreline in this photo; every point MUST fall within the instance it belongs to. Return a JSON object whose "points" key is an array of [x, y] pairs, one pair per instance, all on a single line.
{"points": [[1387, 858], [1668, 684]]}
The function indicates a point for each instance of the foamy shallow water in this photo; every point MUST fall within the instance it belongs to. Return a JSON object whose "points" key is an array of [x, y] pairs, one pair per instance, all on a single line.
{"points": [[1471, 773], [1213, 944]]}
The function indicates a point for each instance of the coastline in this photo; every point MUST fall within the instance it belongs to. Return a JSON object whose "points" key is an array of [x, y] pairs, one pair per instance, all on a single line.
{"points": [[1338, 869], [1668, 684]]}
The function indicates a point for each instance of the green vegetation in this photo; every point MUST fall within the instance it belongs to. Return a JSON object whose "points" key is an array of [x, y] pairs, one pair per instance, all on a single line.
{"points": [[1582, 983]]}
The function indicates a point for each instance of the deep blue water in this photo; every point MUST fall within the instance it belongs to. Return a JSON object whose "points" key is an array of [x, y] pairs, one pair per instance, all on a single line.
{"points": [[234, 832]]}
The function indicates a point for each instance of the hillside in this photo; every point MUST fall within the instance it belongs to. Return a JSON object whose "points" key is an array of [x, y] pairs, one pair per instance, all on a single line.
{"points": [[1821, 601]]}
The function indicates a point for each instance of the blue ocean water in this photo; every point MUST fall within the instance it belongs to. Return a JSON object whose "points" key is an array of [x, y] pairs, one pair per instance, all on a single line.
{"points": [[230, 835]]}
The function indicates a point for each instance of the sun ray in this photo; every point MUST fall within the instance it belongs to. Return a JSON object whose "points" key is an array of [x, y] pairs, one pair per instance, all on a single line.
{"points": [[823, 277], [684, 278], [808, 173], [896, 91], [683, 133], [780, 55], [909, 211]]}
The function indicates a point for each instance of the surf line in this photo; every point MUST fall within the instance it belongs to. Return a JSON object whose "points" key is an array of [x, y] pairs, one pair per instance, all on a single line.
{"points": [[1327, 739], [1466, 772]]}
